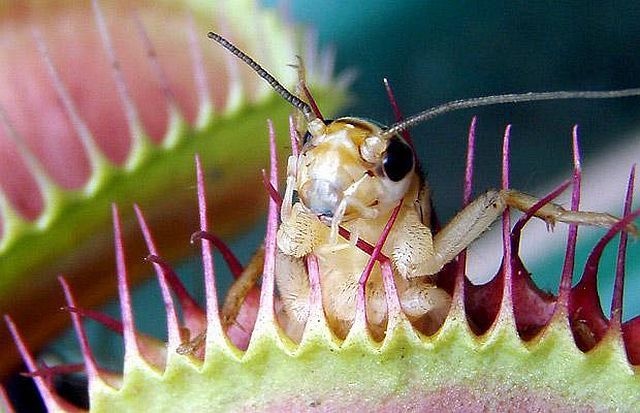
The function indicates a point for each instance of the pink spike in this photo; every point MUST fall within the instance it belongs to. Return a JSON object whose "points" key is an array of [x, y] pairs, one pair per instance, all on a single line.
{"points": [[587, 319], [133, 119], [310, 51], [570, 255], [294, 137], [212, 307], [193, 315], [375, 255], [86, 139], [517, 228], [458, 287], [532, 307], [5, 404], [173, 329], [266, 310], [468, 170], [199, 72], [505, 157], [49, 372], [398, 115], [312, 101], [327, 64], [363, 245], [507, 262], [271, 190], [315, 294], [126, 307], [484, 303], [155, 64], [51, 400], [229, 257], [360, 316], [618, 286], [394, 308], [85, 348], [100, 318]]}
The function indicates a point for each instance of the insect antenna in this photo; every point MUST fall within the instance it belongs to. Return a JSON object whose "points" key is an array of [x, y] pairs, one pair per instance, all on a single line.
{"points": [[502, 99], [296, 102]]}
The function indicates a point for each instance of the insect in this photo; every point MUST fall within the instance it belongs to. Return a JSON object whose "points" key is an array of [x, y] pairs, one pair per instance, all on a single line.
{"points": [[353, 173]]}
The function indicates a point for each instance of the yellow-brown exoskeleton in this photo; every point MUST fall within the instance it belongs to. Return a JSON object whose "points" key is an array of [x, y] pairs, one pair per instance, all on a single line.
{"points": [[352, 173]]}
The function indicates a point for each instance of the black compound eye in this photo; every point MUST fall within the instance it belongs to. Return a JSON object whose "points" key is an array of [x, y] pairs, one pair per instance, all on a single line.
{"points": [[306, 138], [397, 160]]}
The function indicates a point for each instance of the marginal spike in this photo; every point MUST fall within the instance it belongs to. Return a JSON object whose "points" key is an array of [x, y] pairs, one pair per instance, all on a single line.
{"points": [[13, 223], [316, 309], [505, 315], [588, 321], [570, 254], [327, 64], [175, 117], [50, 191], [206, 108], [52, 401], [397, 113], [97, 160], [526, 294], [266, 315], [235, 89], [310, 52], [139, 140], [458, 299], [110, 323], [5, 403], [132, 349], [229, 257], [85, 349], [215, 332], [375, 256], [618, 286], [173, 326], [295, 138]]}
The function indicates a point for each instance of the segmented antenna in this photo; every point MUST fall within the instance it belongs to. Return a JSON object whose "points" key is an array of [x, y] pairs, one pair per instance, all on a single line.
{"points": [[501, 99], [275, 85]]}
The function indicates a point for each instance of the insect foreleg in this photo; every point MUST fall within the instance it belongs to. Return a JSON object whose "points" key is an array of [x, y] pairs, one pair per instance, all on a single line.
{"points": [[299, 233], [293, 288], [417, 254], [425, 303]]}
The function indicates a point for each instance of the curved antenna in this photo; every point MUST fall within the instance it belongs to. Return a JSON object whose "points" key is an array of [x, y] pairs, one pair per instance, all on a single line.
{"points": [[501, 99], [298, 103]]}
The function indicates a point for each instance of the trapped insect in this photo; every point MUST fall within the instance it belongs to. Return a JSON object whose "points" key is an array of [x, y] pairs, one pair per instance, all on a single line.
{"points": [[352, 173]]}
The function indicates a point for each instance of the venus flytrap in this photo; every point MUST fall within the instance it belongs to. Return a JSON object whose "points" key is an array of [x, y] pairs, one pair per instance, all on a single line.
{"points": [[505, 344], [113, 111]]}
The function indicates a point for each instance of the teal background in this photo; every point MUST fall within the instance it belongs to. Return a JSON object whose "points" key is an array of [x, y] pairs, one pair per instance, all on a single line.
{"points": [[433, 52]]}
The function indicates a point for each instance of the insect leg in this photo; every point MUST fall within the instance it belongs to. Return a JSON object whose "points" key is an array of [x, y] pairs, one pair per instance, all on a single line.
{"points": [[293, 287], [287, 200], [476, 218], [298, 233], [241, 287], [551, 213], [417, 254], [425, 304], [233, 302]]}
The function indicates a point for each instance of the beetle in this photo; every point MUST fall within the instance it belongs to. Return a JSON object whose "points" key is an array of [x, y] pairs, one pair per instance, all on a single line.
{"points": [[352, 173]]}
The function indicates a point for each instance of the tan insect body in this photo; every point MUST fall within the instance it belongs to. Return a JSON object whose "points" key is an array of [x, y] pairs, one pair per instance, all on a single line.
{"points": [[352, 173]]}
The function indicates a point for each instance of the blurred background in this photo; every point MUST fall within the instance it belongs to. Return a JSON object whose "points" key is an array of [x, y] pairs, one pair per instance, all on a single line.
{"points": [[437, 51]]}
